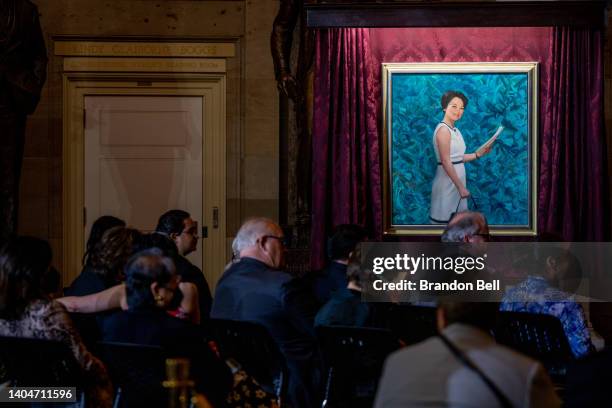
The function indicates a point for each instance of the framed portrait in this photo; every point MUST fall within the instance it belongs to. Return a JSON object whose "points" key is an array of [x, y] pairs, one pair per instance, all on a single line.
{"points": [[460, 136]]}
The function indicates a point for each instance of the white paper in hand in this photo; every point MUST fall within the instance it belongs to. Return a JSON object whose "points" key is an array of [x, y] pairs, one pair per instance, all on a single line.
{"points": [[491, 139]]}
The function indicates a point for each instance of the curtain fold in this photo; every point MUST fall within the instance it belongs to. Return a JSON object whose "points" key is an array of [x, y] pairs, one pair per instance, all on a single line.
{"points": [[573, 196], [345, 165]]}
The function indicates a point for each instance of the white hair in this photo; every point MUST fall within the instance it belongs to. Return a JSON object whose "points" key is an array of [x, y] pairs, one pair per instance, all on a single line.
{"points": [[250, 232]]}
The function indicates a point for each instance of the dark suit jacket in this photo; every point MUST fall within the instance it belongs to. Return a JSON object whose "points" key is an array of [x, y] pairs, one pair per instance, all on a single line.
{"points": [[345, 308], [86, 283], [179, 338], [192, 274], [251, 291], [331, 279]]}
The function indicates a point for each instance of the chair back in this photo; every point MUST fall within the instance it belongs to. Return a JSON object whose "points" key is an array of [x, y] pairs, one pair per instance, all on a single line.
{"points": [[254, 349], [412, 324], [137, 371], [353, 358], [539, 336], [37, 362]]}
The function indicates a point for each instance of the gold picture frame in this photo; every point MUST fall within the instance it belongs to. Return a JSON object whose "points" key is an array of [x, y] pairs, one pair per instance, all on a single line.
{"points": [[505, 182]]}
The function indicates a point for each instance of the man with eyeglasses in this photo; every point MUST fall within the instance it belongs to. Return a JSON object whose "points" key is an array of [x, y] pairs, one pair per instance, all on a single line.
{"points": [[256, 288], [179, 227]]}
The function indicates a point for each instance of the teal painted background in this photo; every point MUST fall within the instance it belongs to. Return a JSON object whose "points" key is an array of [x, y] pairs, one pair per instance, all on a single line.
{"points": [[498, 181]]}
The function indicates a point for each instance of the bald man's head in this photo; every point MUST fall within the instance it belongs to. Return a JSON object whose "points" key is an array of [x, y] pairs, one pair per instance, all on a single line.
{"points": [[466, 226], [262, 239]]}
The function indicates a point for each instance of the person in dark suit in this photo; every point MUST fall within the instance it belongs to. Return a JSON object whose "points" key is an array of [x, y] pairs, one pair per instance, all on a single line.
{"points": [[345, 307], [257, 289], [151, 286], [339, 248], [183, 230]]}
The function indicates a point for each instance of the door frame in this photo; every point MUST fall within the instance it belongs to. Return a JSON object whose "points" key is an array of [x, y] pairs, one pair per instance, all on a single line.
{"points": [[212, 88]]}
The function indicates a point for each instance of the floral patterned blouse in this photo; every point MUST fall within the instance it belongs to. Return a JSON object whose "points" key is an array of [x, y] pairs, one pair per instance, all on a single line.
{"points": [[44, 319], [535, 295]]}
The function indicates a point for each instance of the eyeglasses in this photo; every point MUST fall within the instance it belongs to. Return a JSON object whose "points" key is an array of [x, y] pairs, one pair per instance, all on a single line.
{"points": [[282, 240]]}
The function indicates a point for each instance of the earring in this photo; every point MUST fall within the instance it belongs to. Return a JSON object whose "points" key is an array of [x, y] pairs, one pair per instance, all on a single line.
{"points": [[159, 300]]}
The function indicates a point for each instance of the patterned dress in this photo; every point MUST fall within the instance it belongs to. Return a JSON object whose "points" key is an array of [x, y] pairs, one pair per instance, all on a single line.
{"points": [[535, 295], [44, 319]]}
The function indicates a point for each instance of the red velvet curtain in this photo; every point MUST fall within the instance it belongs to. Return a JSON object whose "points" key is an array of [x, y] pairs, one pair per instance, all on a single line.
{"points": [[345, 165], [572, 193]]}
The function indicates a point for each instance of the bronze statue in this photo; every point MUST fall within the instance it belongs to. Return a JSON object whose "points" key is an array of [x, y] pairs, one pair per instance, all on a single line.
{"points": [[298, 88], [23, 66]]}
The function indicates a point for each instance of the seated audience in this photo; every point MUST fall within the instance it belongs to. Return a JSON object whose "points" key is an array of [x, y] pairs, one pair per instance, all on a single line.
{"points": [[103, 269], [116, 298], [543, 294], [25, 311], [257, 289], [345, 308], [151, 285], [186, 306], [339, 247], [463, 367], [183, 231]]}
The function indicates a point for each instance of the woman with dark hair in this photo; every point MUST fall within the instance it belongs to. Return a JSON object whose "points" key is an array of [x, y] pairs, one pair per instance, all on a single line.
{"points": [[103, 270], [104, 267], [151, 286], [449, 192], [98, 228], [26, 311], [185, 306]]}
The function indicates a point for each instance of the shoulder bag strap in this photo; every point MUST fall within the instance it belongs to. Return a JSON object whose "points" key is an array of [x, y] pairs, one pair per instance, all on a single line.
{"points": [[503, 400], [459, 202]]}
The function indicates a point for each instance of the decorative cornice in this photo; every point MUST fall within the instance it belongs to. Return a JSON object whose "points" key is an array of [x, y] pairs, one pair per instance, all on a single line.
{"points": [[387, 13]]}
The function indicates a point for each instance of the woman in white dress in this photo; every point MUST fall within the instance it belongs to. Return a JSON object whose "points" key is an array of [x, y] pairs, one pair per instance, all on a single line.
{"points": [[448, 191]]}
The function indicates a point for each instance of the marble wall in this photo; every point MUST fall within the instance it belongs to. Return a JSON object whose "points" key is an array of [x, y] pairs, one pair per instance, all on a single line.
{"points": [[252, 99]]}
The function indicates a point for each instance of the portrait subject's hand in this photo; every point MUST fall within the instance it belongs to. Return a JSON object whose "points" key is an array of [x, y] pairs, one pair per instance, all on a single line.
{"points": [[464, 192], [484, 150]]}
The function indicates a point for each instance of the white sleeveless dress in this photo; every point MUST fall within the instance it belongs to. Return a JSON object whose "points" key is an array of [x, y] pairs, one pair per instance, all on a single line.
{"points": [[444, 193]]}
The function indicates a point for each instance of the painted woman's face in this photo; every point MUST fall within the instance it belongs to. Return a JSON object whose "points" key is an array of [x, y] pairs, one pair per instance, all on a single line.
{"points": [[455, 109]]}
